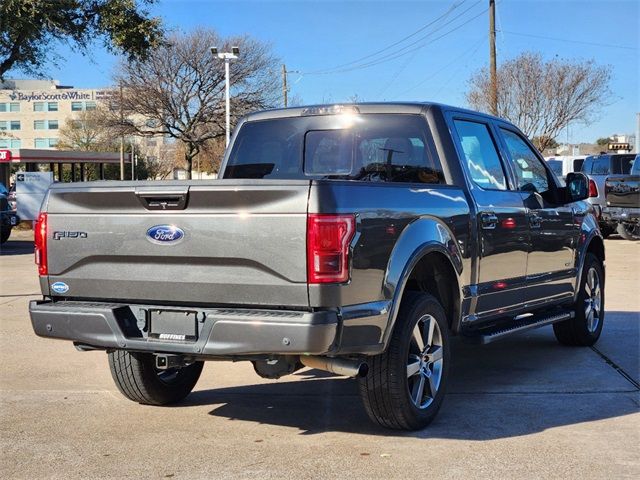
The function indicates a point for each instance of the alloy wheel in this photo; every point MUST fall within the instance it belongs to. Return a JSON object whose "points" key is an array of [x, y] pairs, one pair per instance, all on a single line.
{"points": [[425, 362]]}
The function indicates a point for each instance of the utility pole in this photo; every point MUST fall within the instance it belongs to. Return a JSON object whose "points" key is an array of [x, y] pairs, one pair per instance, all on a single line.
{"points": [[284, 84], [637, 141], [492, 58], [121, 138], [133, 160]]}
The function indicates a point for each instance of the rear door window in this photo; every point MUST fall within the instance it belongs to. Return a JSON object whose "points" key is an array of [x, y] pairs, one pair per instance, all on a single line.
{"points": [[481, 156]]}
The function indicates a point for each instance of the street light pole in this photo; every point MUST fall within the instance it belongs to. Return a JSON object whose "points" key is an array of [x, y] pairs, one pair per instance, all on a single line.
{"points": [[227, 57]]}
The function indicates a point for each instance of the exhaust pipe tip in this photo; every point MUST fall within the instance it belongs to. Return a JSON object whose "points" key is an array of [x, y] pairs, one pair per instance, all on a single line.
{"points": [[339, 366]]}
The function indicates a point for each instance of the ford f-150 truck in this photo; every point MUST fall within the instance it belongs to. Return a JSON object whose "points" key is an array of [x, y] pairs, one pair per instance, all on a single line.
{"points": [[623, 201], [356, 239]]}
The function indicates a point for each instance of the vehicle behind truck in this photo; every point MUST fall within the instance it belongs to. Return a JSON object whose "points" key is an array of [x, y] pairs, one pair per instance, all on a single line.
{"points": [[623, 202], [352, 239]]}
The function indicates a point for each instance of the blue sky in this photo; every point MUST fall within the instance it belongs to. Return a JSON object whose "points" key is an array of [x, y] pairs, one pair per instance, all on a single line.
{"points": [[317, 35]]}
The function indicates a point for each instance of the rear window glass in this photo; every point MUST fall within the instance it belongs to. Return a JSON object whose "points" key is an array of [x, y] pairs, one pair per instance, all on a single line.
{"points": [[622, 164], [367, 147], [600, 166], [556, 167]]}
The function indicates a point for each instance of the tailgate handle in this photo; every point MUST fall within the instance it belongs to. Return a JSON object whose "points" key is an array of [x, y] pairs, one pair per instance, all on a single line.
{"points": [[163, 200]]}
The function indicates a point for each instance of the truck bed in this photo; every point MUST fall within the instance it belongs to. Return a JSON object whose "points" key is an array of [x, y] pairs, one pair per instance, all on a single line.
{"points": [[623, 191]]}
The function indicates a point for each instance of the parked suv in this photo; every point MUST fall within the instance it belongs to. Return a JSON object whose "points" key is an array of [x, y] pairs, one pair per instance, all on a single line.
{"points": [[598, 168], [355, 239]]}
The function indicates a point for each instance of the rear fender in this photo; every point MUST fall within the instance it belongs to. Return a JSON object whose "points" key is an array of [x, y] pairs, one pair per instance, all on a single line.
{"points": [[589, 237], [422, 237]]}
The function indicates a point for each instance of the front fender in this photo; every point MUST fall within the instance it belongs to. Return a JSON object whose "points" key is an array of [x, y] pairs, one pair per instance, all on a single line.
{"points": [[421, 237]]}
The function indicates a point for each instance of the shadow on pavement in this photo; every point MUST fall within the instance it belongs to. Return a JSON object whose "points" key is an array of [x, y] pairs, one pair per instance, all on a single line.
{"points": [[16, 247], [521, 386]]}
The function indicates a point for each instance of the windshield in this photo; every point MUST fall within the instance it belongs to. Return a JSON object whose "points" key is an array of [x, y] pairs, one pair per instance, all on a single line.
{"points": [[371, 147]]}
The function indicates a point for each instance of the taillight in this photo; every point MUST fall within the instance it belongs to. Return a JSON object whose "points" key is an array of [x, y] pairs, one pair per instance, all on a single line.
{"points": [[593, 189], [328, 239], [40, 239]]}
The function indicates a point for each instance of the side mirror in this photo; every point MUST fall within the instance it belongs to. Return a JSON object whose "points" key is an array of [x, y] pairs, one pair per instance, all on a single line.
{"points": [[577, 186]]}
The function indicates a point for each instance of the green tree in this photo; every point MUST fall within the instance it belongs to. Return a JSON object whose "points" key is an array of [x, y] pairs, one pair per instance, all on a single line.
{"points": [[28, 28], [603, 142]]}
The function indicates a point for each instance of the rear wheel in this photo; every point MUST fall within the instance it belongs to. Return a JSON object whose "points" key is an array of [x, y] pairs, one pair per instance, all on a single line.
{"points": [[406, 384], [5, 233], [629, 231], [585, 327], [138, 379]]}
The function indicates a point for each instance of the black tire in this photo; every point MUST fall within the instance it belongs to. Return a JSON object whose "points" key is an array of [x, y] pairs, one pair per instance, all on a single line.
{"points": [[388, 389], [607, 230], [581, 329], [5, 233], [138, 379], [629, 232]]}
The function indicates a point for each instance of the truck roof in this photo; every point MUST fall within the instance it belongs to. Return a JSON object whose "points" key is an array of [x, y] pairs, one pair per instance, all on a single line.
{"points": [[367, 107]]}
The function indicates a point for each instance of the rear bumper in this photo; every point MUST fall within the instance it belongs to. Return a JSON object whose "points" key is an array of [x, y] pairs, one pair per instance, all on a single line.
{"points": [[221, 332], [621, 214]]}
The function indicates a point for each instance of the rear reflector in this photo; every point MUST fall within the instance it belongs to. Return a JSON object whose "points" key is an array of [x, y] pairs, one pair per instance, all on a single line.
{"points": [[328, 239], [593, 189], [40, 239]]}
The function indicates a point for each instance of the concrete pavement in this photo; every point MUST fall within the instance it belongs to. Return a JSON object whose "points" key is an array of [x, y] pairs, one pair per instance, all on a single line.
{"points": [[521, 408]]}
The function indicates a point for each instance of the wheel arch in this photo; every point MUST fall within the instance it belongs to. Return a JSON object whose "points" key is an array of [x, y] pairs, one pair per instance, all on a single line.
{"points": [[426, 258]]}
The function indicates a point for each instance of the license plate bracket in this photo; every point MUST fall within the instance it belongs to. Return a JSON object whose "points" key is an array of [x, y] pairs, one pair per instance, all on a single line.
{"points": [[173, 325]]}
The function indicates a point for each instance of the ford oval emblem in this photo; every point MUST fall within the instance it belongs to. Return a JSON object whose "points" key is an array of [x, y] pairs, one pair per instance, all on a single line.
{"points": [[165, 234], [60, 287]]}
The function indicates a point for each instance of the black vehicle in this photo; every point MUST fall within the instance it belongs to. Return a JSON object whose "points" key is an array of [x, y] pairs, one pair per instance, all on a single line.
{"points": [[355, 239], [8, 218]]}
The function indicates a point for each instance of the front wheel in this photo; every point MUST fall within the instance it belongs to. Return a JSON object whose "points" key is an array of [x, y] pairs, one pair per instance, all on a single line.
{"points": [[585, 327], [406, 384], [138, 379], [629, 231]]}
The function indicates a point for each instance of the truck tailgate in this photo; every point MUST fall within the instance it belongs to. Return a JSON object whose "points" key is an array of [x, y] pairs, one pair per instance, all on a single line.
{"points": [[242, 242], [623, 191]]}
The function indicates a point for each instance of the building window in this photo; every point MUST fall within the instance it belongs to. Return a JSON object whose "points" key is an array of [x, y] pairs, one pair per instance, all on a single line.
{"points": [[38, 106], [15, 143], [52, 106], [45, 142], [10, 143], [45, 106], [10, 125], [90, 105], [10, 107], [39, 124], [53, 124], [76, 106]]}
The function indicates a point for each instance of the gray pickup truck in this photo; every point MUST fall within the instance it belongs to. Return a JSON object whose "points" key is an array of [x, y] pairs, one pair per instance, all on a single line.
{"points": [[623, 201], [356, 239]]}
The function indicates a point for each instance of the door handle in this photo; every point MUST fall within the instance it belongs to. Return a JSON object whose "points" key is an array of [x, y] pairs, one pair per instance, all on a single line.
{"points": [[488, 220], [534, 220]]}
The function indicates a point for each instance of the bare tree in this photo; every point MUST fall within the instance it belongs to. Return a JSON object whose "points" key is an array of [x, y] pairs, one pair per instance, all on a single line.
{"points": [[87, 131], [543, 97], [178, 91]]}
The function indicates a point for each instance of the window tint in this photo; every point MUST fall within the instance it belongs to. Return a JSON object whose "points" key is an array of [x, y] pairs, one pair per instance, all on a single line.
{"points": [[600, 166], [577, 164], [556, 167], [586, 165], [481, 156], [622, 164], [372, 147], [530, 172]]}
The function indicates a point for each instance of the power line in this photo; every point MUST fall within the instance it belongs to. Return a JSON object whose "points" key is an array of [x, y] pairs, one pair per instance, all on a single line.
{"points": [[444, 15], [608, 45], [406, 52], [470, 51]]}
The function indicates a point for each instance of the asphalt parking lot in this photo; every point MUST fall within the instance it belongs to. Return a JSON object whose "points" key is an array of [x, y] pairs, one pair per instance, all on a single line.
{"points": [[521, 408]]}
